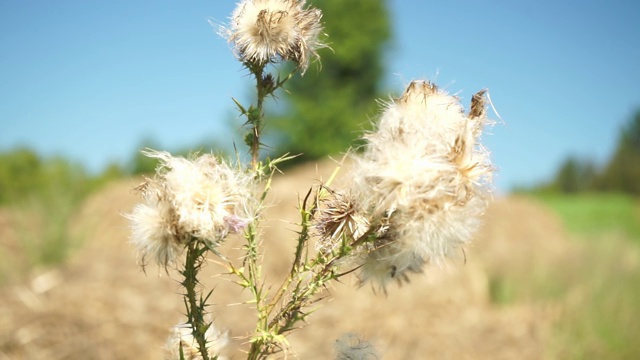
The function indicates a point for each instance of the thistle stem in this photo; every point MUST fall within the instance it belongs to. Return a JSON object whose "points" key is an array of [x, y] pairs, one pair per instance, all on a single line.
{"points": [[303, 237], [265, 85], [194, 304], [256, 117]]}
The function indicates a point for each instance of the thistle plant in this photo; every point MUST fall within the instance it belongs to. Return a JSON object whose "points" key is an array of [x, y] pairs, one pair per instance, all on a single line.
{"points": [[419, 185]]}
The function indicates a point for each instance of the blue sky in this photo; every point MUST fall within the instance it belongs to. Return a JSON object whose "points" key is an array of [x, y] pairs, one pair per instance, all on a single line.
{"points": [[91, 79]]}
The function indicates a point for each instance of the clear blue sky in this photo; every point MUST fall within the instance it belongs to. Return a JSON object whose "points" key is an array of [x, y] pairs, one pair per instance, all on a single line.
{"points": [[91, 79]]}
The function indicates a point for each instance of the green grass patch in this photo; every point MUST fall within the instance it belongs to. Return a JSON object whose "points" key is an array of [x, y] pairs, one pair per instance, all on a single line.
{"points": [[600, 317], [539, 284], [601, 283], [597, 214]]}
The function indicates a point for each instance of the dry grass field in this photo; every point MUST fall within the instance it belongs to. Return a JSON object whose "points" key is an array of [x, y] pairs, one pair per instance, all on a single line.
{"points": [[100, 305]]}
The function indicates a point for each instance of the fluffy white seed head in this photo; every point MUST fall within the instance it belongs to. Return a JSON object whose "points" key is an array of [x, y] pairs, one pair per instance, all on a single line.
{"points": [[152, 233], [265, 31], [154, 226], [211, 198], [201, 197], [425, 173]]}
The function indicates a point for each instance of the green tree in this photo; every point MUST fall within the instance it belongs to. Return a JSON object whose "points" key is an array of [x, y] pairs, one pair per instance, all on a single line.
{"points": [[574, 176], [622, 173], [20, 174], [327, 109]]}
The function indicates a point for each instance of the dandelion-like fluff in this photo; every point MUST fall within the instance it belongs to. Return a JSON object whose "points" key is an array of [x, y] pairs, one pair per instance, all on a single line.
{"points": [[424, 175], [203, 198], [264, 31]]}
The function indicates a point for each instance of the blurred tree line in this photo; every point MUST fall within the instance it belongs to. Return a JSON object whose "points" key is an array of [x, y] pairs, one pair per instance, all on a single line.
{"points": [[24, 174], [621, 173], [42, 195], [321, 113]]}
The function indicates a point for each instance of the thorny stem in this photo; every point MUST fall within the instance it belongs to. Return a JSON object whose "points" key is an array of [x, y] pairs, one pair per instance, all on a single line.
{"points": [[322, 269], [261, 346], [258, 116], [255, 118], [265, 85], [251, 263], [194, 302], [301, 296], [302, 239]]}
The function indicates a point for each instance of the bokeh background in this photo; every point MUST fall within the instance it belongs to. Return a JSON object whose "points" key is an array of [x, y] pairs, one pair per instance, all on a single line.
{"points": [[85, 85]]}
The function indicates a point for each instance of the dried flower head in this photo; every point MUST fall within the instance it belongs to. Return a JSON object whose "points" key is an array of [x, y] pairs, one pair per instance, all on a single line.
{"points": [[264, 31], [425, 172], [337, 219], [182, 337], [200, 198], [352, 347]]}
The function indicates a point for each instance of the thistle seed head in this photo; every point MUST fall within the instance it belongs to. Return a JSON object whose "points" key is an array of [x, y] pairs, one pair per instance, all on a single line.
{"points": [[154, 226], [264, 31], [202, 197], [425, 165], [338, 219]]}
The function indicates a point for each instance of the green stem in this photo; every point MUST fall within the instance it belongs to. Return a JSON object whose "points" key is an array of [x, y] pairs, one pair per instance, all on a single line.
{"points": [[322, 270], [303, 237], [302, 295], [265, 86], [194, 303], [251, 261], [256, 118], [301, 298]]}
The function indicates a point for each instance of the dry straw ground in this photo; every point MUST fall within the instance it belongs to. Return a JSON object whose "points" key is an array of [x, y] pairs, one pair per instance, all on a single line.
{"points": [[100, 305]]}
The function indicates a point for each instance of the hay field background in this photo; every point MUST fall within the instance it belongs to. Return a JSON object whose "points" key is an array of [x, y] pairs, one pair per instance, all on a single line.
{"points": [[100, 305]]}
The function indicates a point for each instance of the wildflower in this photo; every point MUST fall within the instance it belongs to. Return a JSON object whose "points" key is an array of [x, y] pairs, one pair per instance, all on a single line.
{"points": [[263, 31], [182, 337], [201, 198], [337, 219], [425, 174]]}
